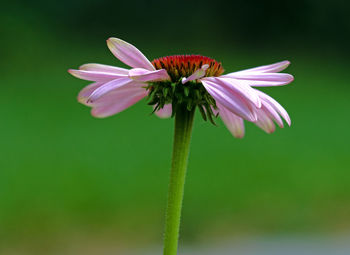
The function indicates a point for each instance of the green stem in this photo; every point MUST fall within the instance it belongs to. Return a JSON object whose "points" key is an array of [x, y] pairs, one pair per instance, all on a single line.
{"points": [[181, 146]]}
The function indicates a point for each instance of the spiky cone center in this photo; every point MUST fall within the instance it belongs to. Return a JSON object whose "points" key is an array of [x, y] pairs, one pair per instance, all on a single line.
{"points": [[192, 94], [179, 66]]}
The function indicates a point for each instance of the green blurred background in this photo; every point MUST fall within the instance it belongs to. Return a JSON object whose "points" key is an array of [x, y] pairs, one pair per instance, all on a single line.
{"points": [[70, 182]]}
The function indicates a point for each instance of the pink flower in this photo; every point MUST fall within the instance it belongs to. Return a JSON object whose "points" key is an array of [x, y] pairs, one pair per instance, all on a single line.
{"points": [[188, 79]]}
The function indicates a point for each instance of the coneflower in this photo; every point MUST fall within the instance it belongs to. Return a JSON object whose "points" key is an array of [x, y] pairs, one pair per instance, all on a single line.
{"points": [[177, 86]]}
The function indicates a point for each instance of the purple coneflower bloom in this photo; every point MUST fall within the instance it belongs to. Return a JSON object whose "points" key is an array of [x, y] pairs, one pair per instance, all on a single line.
{"points": [[195, 80]]}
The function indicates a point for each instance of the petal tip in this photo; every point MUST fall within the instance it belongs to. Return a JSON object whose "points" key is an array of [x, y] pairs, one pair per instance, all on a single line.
{"points": [[289, 78], [74, 72], [85, 67], [205, 67], [285, 63], [81, 99], [270, 131], [109, 42], [97, 115], [239, 136], [111, 39]]}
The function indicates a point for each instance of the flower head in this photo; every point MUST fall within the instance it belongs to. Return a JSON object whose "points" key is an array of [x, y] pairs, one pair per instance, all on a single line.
{"points": [[191, 80]]}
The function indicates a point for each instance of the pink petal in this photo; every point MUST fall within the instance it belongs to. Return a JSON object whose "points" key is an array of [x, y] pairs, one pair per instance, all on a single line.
{"points": [[107, 87], [272, 102], [86, 92], [128, 90], [114, 108], [234, 123], [270, 111], [228, 98], [140, 74], [273, 68], [239, 87], [104, 69], [117, 101], [262, 79], [129, 54], [199, 73], [95, 76], [165, 112], [264, 121], [262, 83]]}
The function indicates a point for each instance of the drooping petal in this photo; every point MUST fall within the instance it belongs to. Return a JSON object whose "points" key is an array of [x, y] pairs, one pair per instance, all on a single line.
{"points": [[199, 73], [107, 87], [117, 101], [104, 68], [128, 54], [233, 123], [87, 91], [95, 76], [262, 79], [273, 68], [272, 102], [272, 113], [120, 93], [231, 100], [239, 87], [143, 75], [165, 112], [265, 122], [103, 111]]}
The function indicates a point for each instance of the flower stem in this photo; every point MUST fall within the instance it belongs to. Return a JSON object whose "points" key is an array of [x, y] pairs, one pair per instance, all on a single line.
{"points": [[181, 146]]}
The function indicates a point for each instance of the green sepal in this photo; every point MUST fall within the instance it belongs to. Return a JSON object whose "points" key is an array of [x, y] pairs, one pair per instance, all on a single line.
{"points": [[202, 111], [189, 95], [186, 91]]}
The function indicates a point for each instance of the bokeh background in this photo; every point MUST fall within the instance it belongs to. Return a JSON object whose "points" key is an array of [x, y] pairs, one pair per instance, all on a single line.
{"points": [[72, 184]]}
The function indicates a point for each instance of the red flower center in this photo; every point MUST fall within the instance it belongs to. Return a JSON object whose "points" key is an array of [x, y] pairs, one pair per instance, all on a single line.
{"points": [[179, 66]]}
